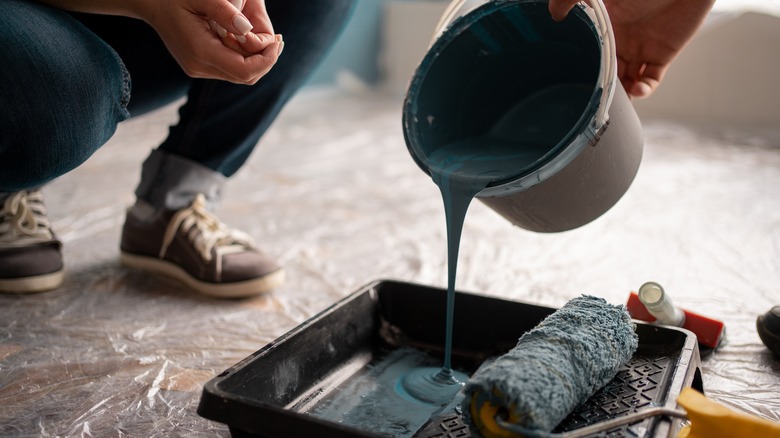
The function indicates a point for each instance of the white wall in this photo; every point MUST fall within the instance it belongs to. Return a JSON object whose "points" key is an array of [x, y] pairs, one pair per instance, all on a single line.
{"points": [[728, 74]]}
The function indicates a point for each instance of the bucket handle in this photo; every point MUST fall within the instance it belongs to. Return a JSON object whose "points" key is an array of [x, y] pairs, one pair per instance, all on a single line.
{"points": [[609, 61]]}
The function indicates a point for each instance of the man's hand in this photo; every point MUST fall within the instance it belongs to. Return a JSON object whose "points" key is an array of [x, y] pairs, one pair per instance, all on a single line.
{"points": [[243, 55], [184, 27], [649, 34], [249, 44]]}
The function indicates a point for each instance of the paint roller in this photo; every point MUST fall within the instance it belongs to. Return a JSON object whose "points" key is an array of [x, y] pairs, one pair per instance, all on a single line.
{"points": [[562, 362], [554, 368]]}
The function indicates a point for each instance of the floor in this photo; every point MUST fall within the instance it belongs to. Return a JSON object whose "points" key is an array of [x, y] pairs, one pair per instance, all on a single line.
{"points": [[333, 194]]}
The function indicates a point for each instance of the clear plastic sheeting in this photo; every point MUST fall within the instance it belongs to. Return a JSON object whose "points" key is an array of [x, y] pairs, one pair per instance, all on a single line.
{"points": [[333, 194]]}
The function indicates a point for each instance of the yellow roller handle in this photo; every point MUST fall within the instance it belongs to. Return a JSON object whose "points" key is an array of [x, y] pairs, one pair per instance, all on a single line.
{"points": [[713, 420], [484, 417]]}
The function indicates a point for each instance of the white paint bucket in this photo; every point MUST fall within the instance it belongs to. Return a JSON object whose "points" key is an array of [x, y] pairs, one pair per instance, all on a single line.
{"points": [[506, 67]]}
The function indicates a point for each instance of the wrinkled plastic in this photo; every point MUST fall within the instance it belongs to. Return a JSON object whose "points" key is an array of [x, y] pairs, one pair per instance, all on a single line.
{"points": [[333, 194]]}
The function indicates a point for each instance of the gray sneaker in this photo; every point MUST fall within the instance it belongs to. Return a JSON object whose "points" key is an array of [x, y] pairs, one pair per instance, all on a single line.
{"points": [[192, 246], [30, 254]]}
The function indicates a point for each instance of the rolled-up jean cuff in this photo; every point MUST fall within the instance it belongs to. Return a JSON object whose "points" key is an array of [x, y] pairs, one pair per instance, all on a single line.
{"points": [[5, 195], [171, 182]]}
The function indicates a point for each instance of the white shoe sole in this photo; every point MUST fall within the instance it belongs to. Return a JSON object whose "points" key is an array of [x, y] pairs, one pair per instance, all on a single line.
{"points": [[239, 289], [35, 284]]}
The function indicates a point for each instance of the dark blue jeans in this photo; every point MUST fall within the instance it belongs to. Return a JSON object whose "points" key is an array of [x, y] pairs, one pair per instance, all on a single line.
{"points": [[65, 84]]}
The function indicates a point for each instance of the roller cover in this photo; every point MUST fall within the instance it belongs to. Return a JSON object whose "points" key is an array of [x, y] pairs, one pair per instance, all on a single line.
{"points": [[554, 368]]}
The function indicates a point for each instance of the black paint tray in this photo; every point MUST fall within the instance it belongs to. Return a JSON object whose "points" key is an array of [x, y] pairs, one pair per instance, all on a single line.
{"points": [[332, 376]]}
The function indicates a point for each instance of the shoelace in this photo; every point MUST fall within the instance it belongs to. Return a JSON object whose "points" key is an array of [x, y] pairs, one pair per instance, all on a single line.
{"points": [[205, 232], [23, 219]]}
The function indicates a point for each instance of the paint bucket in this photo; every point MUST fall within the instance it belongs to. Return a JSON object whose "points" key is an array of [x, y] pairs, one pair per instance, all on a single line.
{"points": [[507, 66]]}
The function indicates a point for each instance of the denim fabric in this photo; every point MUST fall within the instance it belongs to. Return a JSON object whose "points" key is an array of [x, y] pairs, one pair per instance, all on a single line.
{"points": [[62, 93], [220, 123], [171, 182]]}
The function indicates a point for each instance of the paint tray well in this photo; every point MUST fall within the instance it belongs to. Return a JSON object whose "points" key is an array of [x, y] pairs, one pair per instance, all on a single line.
{"points": [[335, 375]]}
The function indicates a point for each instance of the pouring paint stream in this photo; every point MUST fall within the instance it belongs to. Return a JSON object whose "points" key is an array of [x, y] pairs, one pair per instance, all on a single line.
{"points": [[521, 137], [496, 96], [461, 173]]}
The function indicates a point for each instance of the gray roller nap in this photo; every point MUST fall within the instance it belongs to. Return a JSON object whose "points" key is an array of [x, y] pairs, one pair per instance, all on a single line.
{"points": [[554, 368]]}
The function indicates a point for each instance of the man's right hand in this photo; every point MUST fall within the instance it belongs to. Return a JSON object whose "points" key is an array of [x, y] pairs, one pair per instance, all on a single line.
{"points": [[184, 27], [649, 34]]}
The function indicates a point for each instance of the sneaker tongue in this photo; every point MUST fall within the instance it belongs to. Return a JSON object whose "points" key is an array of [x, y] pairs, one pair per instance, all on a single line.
{"points": [[212, 234]]}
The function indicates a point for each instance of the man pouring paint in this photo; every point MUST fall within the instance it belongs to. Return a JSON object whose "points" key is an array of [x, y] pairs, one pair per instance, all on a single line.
{"points": [[648, 37], [533, 117], [514, 97]]}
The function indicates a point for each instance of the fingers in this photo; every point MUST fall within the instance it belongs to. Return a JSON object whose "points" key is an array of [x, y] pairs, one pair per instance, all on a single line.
{"points": [[238, 4], [248, 68], [262, 28], [648, 81], [256, 43], [256, 11], [251, 43], [227, 16], [259, 49], [640, 80], [198, 37], [233, 67], [227, 59], [264, 61], [641, 89], [219, 30], [559, 9]]}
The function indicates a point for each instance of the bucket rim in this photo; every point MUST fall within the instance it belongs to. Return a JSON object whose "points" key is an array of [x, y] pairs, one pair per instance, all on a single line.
{"points": [[582, 133]]}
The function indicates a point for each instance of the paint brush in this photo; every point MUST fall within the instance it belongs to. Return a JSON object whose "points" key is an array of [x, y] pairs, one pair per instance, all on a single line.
{"points": [[652, 304]]}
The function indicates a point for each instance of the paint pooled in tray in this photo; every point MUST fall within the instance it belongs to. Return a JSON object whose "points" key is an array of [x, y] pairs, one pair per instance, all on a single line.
{"points": [[373, 399]]}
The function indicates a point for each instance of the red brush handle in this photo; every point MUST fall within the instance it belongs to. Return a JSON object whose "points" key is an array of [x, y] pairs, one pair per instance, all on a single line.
{"points": [[708, 331]]}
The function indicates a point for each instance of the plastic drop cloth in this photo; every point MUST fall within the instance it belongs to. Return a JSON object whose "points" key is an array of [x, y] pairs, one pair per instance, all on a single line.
{"points": [[334, 195]]}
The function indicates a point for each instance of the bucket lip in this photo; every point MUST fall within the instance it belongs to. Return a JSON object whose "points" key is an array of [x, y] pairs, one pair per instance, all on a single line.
{"points": [[568, 147]]}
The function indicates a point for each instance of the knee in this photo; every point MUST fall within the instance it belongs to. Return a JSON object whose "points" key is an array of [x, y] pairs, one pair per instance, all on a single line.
{"points": [[63, 92]]}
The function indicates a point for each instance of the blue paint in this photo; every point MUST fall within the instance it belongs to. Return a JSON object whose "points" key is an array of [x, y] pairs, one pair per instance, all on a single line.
{"points": [[434, 386], [498, 96], [373, 399], [495, 66]]}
